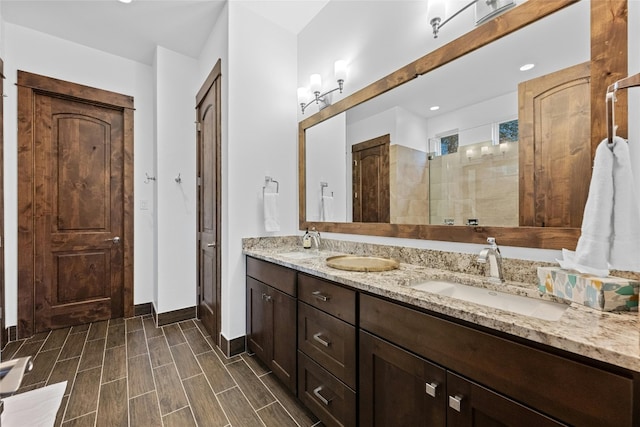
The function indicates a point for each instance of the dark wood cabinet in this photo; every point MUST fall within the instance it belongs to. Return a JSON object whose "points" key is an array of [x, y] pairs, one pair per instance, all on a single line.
{"points": [[271, 319], [327, 350], [398, 388]]}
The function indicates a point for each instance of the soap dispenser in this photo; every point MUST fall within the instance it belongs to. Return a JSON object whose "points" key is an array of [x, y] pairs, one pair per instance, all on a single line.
{"points": [[306, 240]]}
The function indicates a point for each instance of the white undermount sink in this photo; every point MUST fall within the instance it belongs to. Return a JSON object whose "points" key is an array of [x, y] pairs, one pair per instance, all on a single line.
{"points": [[299, 255], [540, 309]]}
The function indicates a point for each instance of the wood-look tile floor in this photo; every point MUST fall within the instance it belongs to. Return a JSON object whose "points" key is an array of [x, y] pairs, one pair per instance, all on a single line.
{"points": [[128, 372]]}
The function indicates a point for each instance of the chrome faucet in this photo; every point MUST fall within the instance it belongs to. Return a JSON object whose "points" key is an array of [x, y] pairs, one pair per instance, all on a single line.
{"points": [[315, 238], [491, 255]]}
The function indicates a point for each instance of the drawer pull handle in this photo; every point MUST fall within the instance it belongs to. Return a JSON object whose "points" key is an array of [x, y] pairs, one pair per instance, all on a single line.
{"points": [[317, 391], [266, 297], [318, 338], [320, 296], [455, 402], [431, 388]]}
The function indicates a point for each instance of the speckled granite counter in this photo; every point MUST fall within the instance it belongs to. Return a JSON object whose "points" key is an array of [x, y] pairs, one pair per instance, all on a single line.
{"points": [[609, 337]]}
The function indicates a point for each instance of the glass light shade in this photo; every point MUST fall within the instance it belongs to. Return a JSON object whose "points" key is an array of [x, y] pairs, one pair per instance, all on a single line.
{"points": [[436, 9], [316, 82], [484, 150], [340, 70], [303, 95]]}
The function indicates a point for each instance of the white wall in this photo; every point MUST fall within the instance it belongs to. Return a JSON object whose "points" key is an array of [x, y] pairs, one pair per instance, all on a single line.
{"points": [[176, 86], [261, 140], [39, 53]]}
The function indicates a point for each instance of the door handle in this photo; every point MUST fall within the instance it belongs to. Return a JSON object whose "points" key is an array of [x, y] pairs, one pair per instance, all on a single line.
{"points": [[211, 245], [115, 240]]}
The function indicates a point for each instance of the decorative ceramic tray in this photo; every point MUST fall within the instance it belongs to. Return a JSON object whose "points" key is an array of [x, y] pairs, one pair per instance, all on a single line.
{"points": [[362, 263]]}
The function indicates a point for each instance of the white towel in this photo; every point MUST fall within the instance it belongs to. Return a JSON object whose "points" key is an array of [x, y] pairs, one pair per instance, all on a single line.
{"points": [[610, 234], [271, 220], [326, 210]]}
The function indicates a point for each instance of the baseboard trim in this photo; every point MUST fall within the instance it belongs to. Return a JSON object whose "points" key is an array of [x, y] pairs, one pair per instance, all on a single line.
{"points": [[174, 316], [142, 309], [232, 347]]}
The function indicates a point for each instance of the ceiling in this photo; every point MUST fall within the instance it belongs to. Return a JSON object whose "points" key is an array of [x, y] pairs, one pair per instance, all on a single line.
{"points": [[134, 30]]}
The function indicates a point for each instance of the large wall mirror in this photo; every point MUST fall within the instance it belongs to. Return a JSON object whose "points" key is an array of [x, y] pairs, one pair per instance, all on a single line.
{"points": [[508, 154]]}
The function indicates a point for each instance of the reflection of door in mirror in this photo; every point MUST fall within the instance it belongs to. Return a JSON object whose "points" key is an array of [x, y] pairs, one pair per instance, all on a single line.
{"points": [[555, 148], [370, 163]]}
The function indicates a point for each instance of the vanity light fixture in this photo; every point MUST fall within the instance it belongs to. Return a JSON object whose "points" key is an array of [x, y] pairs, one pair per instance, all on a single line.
{"points": [[485, 9], [304, 95], [527, 67]]}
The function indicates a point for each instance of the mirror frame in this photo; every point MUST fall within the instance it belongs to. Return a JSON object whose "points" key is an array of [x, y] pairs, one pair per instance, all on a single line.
{"points": [[609, 63]]}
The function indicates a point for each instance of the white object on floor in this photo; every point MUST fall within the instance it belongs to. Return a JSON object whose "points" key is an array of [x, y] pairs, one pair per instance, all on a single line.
{"points": [[35, 408]]}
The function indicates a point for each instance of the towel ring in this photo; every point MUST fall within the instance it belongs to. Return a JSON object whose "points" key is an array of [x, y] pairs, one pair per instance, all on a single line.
{"points": [[632, 81], [268, 180]]}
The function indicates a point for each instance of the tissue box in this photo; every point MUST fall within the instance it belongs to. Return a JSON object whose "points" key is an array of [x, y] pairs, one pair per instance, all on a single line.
{"points": [[601, 293]]}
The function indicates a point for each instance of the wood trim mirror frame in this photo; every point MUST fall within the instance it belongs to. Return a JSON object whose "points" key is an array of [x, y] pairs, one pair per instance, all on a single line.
{"points": [[609, 63]]}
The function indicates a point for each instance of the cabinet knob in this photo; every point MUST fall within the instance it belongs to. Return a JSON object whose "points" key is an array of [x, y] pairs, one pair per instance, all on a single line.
{"points": [[431, 388], [455, 402], [324, 400], [266, 297]]}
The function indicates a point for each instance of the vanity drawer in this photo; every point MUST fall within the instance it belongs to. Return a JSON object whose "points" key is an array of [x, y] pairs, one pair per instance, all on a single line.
{"points": [[329, 341], [276, 276], [328, 398], [329, 297]]}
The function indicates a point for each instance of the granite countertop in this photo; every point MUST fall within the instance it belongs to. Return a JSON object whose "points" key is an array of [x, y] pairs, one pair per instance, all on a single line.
{"points": [[610, 337]]}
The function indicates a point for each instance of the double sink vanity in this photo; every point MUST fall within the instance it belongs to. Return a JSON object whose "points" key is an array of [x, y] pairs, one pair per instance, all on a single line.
{"points": [[430, 346]]}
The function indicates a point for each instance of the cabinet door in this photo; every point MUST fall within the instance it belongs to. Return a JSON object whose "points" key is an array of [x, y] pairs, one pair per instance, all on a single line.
{"points": [[283, 317], [259, 324], [470, 404], [398, 388]]}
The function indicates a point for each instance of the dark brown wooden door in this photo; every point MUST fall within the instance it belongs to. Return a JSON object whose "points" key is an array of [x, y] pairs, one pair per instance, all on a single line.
{"points": [[78, 213], [75, 204], [208, 115], [395, 386], [481, 407], [259, 325], [371, 180], [555, 147]]}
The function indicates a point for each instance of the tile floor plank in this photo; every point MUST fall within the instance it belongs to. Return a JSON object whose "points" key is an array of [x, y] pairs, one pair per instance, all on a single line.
{"points": [[169, 388], [84, 395], [150, 328], [206, 409], [60, 414], [56, 339], [133, 324], [73, 346], [28, 349], [144, 411], [197, 342], [159, 351], [238, 409], [10, 349], [92, 354], [98, 330], [116, 335], [140, 376], [113, 407], [80, 328], [274, 415], [173, 332], [115, 364], [256, 392], [255, 364], [65, 370], [187, 324], [43, 364], [136, 343], [216, 373], [302, 415], [88, 420], [188, 366], [181, 418]]}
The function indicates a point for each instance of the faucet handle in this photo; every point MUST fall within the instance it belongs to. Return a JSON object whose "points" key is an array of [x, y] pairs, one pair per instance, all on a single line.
{"points": [[491, 240]]}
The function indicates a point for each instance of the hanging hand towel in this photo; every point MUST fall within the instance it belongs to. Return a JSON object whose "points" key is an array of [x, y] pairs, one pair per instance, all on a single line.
{"points": [[625, 240], [594, 244], [327, 208], [271, 220]]}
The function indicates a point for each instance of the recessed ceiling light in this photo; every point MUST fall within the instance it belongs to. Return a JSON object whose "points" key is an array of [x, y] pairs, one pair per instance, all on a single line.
{"points": [[124, 1], [527, 67], [434, 108]]}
